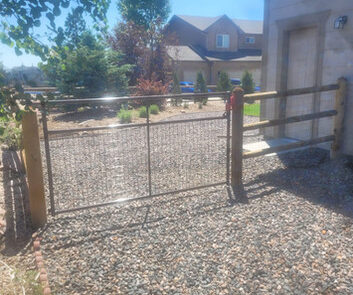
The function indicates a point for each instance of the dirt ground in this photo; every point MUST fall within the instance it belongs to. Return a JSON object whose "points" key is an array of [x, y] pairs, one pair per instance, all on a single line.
{"points": [[107, 115]]}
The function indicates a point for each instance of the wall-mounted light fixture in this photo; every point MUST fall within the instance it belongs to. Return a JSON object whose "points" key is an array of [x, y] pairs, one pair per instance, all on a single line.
{"points": [[340, 22]]}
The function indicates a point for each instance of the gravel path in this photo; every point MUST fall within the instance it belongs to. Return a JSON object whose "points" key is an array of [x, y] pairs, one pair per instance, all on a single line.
{"points": [[293, 237]]}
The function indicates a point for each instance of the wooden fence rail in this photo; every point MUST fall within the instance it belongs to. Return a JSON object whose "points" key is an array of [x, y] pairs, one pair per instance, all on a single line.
{"points": [[238, 128]]}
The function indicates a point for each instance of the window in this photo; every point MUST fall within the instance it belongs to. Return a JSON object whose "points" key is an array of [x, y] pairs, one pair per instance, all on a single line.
{"points": [[222, 41], [250, 40]]}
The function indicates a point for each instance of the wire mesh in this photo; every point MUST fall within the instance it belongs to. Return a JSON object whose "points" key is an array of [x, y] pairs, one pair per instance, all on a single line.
{"points": [[99, 166]]}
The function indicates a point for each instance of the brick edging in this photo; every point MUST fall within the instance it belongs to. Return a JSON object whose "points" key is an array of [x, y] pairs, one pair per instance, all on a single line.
{"points": [[39, 261]]}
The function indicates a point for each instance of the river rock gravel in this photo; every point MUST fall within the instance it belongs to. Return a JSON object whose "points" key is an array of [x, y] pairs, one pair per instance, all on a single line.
{"points": [[293, 236]]}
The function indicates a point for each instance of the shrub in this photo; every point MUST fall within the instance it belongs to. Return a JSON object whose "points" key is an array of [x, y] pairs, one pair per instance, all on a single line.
{"points": [[125, 116], [11, 134], [143, 112], [154, 109], [224, 82], [176, 90], [200, 87], [151, 87], [247, 83]]}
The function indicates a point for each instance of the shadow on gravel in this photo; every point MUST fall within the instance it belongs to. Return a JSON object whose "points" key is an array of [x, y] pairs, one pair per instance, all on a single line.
{"points": [[311, 175], [18, 226], [145, 223], [89, 114]]}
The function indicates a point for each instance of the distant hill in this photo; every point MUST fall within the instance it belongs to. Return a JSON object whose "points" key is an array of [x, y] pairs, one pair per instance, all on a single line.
{"points": [[27, 76]]}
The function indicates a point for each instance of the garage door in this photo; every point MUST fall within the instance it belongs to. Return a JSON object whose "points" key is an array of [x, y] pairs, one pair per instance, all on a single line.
{"points": [[191, 75]]}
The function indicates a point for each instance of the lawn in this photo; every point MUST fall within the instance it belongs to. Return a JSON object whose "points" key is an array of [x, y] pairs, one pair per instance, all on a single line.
{"points": [[252, 109]]}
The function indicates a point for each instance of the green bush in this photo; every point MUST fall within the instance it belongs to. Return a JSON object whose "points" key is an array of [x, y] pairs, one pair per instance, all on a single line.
{"points": [[143, 112], [154, 109], [125, 116], [247, 83], [11, 135], [176, 90], [224, 82], [200, 87]]}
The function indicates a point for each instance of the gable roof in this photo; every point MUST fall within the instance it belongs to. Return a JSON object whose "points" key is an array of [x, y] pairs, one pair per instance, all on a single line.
{"points": [[202, 23], [191, 53]]}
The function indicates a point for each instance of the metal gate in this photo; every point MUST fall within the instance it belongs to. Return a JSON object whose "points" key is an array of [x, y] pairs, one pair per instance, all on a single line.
{"points": [[90, 167]]}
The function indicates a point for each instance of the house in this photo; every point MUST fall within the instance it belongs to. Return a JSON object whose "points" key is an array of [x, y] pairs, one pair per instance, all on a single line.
{"points": [[307, 43], [214, 44]]}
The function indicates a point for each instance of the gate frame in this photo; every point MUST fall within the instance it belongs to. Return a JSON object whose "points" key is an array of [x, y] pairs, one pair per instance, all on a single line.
{"points": [[44, 105]]}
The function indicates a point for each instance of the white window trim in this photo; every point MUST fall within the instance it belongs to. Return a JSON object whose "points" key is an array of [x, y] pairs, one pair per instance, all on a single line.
{"points": [[222, 41], [250, 40]]}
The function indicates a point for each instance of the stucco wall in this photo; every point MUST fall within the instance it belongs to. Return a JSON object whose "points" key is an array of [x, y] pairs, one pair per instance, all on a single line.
{"points": [[235, 69], [335, 55], [210, 70]]}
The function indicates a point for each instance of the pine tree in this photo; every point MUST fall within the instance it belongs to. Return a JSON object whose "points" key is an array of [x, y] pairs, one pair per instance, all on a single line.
{"points": [[247, 83], [201, 87], [176, 90], [224, 82]]}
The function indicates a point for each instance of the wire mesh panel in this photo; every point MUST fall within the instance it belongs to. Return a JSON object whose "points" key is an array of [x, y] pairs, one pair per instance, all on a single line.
{"points": [[187, 155], [94, 167], [98, 165]]}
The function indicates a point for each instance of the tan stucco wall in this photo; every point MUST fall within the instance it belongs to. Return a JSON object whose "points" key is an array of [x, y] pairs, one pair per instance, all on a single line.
{"points": [[210, 70], [235, 69], [223, 26], [335, 56], [192, 66]]}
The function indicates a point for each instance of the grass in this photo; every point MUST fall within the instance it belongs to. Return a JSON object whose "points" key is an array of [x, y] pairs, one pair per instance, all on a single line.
{"points": [[18, 281], [252, 109]]}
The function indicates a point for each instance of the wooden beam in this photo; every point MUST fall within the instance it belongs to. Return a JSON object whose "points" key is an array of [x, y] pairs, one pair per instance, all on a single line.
{"points": [[307, 117], [340, 100], [290, 146], [237, 138], [33, 165], [299, 91]]}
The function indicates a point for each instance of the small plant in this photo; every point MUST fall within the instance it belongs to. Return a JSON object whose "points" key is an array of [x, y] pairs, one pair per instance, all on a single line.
{"points": [[176, 90], [247, 83], [143, 112], [151, 87], [186, 105], [224, 82], [154, 109], [124, 115], [201, 87], [81, 109], [200, 105], [11, 134]]}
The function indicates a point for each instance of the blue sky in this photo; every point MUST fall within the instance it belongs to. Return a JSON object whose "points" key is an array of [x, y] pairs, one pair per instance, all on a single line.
{"points": [[243, 9]]}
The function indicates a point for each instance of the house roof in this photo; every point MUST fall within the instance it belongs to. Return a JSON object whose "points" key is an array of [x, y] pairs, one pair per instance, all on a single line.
{"points": [[183, 53], [190, 53], [202, 23]]}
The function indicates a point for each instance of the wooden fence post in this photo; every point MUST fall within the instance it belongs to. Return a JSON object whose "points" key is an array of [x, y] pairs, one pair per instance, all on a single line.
{"points": [[237, 138], [341, 93], [34, 170]]}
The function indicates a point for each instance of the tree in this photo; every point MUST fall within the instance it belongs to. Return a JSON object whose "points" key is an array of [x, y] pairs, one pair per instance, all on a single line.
{"points": [[224, 83], [88, 70], [144, 12], [20, 19], [129, 39], [201, 87], [3, 75], [247, 82], [176, 90]]}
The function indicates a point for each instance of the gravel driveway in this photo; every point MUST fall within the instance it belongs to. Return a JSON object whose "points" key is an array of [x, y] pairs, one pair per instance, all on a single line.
{"points": [[293, 237]]}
